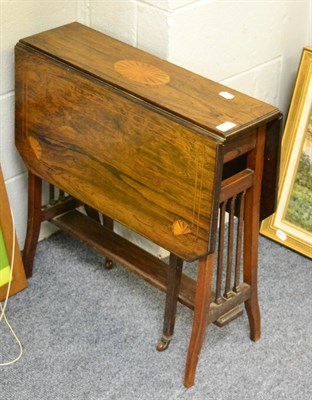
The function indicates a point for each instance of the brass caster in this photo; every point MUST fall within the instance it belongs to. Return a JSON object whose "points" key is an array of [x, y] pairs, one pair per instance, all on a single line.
{"points": [[163, 344], [108, 264]]}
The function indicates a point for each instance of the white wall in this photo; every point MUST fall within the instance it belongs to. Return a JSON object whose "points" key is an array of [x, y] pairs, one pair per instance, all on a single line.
{"points": [[19, 19], [253, 46]]}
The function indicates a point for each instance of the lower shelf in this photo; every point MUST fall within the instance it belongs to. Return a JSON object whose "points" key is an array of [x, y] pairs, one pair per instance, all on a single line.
{"points": [[123, 252], [144, 264]]}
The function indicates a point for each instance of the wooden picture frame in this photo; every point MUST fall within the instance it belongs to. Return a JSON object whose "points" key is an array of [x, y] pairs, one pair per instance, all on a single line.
{"points": [[19, 281], [291, 224]]}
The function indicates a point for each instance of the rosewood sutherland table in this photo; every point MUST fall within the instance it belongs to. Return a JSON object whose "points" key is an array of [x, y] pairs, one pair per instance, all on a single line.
{"points": [[161, 150]]}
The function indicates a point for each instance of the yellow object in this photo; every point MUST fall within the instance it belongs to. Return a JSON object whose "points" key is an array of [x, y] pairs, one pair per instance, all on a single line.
{"points": [[5, 270], [4, 260]]}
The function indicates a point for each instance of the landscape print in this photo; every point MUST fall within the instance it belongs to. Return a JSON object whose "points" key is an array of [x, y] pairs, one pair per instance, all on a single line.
{"points": [[299, 209]]}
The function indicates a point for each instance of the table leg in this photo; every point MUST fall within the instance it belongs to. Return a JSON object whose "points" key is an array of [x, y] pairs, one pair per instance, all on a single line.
{"points": [[92, 213], [109, 223], [33, 223], [173, 287], [201, 316], [251, 235]]}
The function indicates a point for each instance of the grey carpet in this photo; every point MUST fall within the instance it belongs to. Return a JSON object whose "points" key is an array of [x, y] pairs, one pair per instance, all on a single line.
{"points": [[90, 334]]}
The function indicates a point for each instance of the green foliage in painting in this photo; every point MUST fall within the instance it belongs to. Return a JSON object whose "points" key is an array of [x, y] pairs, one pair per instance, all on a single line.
{"points": [[304, 175], [299, 210]]}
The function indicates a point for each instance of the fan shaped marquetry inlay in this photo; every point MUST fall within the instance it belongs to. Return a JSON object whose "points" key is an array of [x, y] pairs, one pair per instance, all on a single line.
{"points": [[180, 228], [35, 145], [140, 72]]}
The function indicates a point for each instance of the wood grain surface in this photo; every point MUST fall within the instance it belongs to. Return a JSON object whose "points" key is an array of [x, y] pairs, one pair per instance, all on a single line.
{"points": [[116, 154], [186, 94]]}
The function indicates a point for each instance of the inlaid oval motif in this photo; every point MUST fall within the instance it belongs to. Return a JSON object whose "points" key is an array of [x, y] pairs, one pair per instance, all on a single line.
{"points": [[140, 72], [35, 145], [180, 227]]}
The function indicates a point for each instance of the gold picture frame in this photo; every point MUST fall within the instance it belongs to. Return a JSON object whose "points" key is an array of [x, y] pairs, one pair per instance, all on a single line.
{"points": [[19, 281], [291, 224]]}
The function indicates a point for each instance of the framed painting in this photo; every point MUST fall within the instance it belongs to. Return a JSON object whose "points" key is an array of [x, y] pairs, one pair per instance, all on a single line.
{"points": [[291, 224], [8, 244]]}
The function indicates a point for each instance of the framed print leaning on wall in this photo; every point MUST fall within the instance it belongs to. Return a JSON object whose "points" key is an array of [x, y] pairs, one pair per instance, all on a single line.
{"points": [[7, 239], [291, 225]]}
